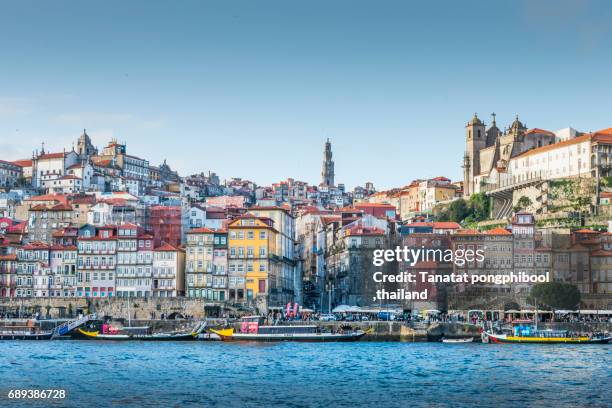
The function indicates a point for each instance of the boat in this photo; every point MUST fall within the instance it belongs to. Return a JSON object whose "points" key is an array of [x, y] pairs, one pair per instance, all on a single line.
{"points": [[289, 333], [253, 330], [455, 341], [525, 331], [136, 333], [23, 330]]}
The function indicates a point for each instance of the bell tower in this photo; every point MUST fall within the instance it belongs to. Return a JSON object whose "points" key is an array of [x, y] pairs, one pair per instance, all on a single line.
{"points": [[327, 172], [475, 140]]}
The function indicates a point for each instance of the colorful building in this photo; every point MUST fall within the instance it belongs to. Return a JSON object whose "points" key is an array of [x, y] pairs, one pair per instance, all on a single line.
{"points": [[253, 263]]}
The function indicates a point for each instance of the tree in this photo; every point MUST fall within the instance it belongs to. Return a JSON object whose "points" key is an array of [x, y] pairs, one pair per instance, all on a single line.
{"points": [[522, 203], [479, 206], [458, 210], [555, 295]]}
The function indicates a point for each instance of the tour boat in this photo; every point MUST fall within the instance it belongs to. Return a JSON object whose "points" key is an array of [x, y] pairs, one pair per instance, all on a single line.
{"points": [[455, 341], [289, 333], [524, 331], [252, 330], [23, 330]]}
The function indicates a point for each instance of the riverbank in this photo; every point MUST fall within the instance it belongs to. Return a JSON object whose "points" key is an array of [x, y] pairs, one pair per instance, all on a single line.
{"points": [[377, 330]]}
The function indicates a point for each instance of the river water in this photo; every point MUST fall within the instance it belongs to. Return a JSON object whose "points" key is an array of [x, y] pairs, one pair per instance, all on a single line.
{"points": [[186, 374]]}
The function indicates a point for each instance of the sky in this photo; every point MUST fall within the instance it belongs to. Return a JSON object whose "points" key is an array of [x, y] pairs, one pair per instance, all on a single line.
{"points": [[252, 89]]}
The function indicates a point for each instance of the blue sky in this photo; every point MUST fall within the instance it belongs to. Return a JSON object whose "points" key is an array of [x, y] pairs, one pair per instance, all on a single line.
{"points": [[253, 88]]}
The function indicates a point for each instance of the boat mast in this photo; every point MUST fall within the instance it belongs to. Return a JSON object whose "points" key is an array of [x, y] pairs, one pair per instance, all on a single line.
{"points": [[535, 317], [129, 314]]}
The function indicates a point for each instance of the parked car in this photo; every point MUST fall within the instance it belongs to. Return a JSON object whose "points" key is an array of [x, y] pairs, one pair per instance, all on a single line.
{"points": [[327, 317]]}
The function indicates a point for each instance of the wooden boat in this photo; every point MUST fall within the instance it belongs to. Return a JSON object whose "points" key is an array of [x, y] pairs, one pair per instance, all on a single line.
{"points": [[25, 335], [524, 331], [456, 341], [23, 330], [122, 336], [289, 333], [547, 337]]}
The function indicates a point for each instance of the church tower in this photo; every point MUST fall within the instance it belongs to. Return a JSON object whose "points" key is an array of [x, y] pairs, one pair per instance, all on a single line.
{"points": [[475, 140], [85, 148], [327, 173]]}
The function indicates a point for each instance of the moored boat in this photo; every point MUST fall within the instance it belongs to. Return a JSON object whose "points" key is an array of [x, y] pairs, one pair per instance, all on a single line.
{"points": [[525, 331], [131, 333], [252, 330], [456, 341], [290, 333], [23, 330]]}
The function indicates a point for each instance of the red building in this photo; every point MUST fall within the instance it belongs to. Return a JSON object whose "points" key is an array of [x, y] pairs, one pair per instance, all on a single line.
{"points": [[378, 210], [165, 224]]}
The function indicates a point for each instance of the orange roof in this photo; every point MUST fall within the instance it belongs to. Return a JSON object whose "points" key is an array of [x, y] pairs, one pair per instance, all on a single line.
{"points": [[468, 232], [498, 231], [606, 194], [539, 131], [374, 205], [167, 247], [49, 197], [48, 156], [365, 231], [446, 225], [63, 248], [586, 231], [436, 225], [203, 230], [607, 131], [23, 163], [602, 137], [61, 207]]}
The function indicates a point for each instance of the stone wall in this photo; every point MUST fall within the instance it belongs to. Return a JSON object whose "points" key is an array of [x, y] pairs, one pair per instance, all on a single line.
{"points": [[139, 308]]}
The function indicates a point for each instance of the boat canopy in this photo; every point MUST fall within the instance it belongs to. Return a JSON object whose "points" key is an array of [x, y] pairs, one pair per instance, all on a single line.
{"points": [[368, 310]]}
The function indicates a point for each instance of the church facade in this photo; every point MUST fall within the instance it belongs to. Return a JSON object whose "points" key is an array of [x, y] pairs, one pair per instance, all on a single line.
{"points": [[520, 161]]}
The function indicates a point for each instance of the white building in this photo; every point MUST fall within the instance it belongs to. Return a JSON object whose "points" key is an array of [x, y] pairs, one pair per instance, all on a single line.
{"points": [[569, 158], [168, 278], [68, 184], [50, 166], [134, 262], [63, 271]]}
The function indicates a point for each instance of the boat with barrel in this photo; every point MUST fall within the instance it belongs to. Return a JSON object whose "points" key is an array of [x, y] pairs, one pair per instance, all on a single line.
{"points": [[108, 332], [526, 331], [252, 329]]}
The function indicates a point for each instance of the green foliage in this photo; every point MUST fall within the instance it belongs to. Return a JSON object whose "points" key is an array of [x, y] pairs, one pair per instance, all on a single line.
{"points": [[555, 295], [606, 181], [574, 194], [458, 210], [522, 203], [474, 210]]}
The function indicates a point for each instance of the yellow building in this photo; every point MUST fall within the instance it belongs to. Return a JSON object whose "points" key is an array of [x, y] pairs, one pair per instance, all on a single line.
{"points": [[287, 280], [253, 264]]}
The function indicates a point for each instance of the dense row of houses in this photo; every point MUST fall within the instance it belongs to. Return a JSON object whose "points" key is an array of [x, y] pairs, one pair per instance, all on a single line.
{"points": [[84, 223]]}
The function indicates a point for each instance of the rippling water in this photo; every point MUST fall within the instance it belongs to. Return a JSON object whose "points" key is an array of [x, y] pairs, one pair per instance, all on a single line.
{"points": [[308, 375]]}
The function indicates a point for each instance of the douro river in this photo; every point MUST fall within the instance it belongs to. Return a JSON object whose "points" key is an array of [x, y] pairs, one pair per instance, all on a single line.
{"points": [[135, 374]]}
